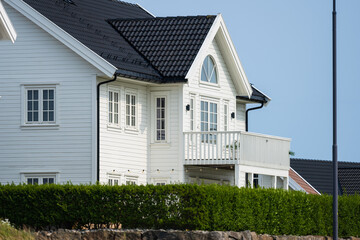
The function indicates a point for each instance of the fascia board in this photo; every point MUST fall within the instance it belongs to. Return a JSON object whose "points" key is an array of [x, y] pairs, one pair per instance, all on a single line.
{"points": [[58, 33], [305, 180], [6, 24], [220, 25]]}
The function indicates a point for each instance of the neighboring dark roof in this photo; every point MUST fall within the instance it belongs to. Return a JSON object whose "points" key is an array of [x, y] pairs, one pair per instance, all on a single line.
{"points": [[86, 21], [319, 174], [170, 44], [256, 96]]}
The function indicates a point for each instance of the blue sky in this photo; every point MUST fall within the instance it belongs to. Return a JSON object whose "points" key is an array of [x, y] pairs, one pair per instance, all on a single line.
{"points": [[285, 48]]}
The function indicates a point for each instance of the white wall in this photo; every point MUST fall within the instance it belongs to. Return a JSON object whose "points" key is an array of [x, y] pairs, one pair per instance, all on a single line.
{"points": [[38, 58], [224, 92], [124, 151], [166, 159]]}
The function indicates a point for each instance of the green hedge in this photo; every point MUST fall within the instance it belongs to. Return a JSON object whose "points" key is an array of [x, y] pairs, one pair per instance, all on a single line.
{"points": [[184, 206]]}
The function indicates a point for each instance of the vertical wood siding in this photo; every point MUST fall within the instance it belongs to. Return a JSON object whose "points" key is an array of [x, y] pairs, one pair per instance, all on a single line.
{"points": [[38, 58]]}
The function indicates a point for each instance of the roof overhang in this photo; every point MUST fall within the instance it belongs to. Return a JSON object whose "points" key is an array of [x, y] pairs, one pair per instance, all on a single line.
{"points": [[58, 33], [219, 32], [7, 31]]}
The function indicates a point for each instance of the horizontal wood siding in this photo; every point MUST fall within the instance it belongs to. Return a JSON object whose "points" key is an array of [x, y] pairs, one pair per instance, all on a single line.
{"points": [[124, 152], [225, 92], [38, 58], [164, 157]]}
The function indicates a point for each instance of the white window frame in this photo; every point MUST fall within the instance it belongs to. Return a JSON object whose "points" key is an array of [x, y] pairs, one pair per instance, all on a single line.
{"points": [[113, 178], [24, 102], [154, 96], [131, 93], [226, 116], [209, 137], [111, 122], [133, 179], [40, 177], [160, 181], [192, 112], [208, 83]]}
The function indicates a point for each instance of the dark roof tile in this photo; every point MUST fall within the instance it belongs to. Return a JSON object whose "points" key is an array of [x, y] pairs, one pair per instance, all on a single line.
{"points": [[167, 41], [319, 174]]}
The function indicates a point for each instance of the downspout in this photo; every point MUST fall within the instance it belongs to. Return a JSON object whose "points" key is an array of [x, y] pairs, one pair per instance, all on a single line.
{"points": [[98, 126], [247, 115]]}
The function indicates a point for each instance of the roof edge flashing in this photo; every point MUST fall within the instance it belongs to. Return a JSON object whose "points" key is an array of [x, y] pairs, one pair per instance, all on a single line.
{"points": [[7, 30]]}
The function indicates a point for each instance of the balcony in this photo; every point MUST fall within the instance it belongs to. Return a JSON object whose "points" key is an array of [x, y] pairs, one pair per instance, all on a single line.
{"points": [[234, 147]]}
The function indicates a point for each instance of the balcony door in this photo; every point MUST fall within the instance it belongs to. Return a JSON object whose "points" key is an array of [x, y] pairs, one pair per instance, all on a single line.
{"points": [[208, 120]]}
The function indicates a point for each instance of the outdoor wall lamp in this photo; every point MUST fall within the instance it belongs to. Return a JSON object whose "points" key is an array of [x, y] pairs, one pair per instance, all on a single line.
{"points": [[187, 107], [232, 115]]}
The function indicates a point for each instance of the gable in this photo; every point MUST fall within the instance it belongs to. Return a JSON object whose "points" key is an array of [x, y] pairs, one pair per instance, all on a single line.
{"points": [[36, 53], [219, 33], [64, 37], [7, 31]]}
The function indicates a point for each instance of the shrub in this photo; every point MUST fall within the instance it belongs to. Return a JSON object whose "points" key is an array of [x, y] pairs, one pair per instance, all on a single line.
{"points": [[182, 206]]}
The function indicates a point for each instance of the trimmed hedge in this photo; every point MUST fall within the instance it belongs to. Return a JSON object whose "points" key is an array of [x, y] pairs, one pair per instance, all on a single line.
{"points": [[192, 207]]}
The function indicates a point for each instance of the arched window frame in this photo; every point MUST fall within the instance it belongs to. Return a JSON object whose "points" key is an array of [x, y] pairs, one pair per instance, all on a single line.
{"points": [[215, 72]]}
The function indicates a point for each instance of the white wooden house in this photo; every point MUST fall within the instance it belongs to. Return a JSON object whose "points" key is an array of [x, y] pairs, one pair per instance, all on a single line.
{"points": [[172, 98]]}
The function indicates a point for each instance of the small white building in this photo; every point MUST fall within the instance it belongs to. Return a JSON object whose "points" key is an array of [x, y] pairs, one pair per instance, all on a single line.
{"points": [[172, 98]]}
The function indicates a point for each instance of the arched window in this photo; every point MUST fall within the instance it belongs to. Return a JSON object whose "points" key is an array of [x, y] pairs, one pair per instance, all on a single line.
{"points": [[208, 71]]}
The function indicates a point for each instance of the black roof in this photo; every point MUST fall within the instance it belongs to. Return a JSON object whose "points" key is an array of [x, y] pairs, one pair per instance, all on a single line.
{"points": [[86, 21], [170, 44], [319, 174], [256, 96], [139, 45]]}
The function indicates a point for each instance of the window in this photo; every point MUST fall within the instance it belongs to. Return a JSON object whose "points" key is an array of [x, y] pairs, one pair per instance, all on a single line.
{"points": [[113, 180], [226, 117], [130, 110], [208, 71], [256, 180], [208, 119], [40, 179], [40, 105], [192, 123], [131, 180], [160, 118], [113, 108]]}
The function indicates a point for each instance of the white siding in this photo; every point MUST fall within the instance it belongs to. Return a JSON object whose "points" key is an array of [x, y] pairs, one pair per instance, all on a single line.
{"points": [[38, 58], [224, 92], [166, 158], [123, 151]]}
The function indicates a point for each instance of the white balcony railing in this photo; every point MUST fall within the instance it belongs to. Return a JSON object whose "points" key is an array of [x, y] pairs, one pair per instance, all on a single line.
{"points": [[230, 147]]}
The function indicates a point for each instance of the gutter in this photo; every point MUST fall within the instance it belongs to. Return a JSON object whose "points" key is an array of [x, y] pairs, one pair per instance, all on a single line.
{"points": [[98, 126], [247, 115]]}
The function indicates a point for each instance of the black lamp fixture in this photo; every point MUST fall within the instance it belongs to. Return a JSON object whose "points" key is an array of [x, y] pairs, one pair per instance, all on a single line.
{"points": [[187, 107], [232, 115]]}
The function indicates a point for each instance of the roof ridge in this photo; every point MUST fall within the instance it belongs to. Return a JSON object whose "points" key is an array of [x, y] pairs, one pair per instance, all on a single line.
{"points": [[125, 3], [160, 18]]}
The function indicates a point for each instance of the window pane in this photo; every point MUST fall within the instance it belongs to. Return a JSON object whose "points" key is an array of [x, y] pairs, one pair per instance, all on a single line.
{"points": [[45, 180], [51, 117], [36, 117], [127, 99], [30, 107], [36, 105], [30, 94], [36, 94], [29, 181], [133, 100], [35, 181], [45, 94], [45, 116], [51, 94], [29, 117], [51, 105], [45, 105], [51, 180]]}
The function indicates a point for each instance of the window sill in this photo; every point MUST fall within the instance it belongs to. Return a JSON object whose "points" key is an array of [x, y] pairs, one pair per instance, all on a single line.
{"points": [[114, 128], [132, 130], [40, 126]]}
